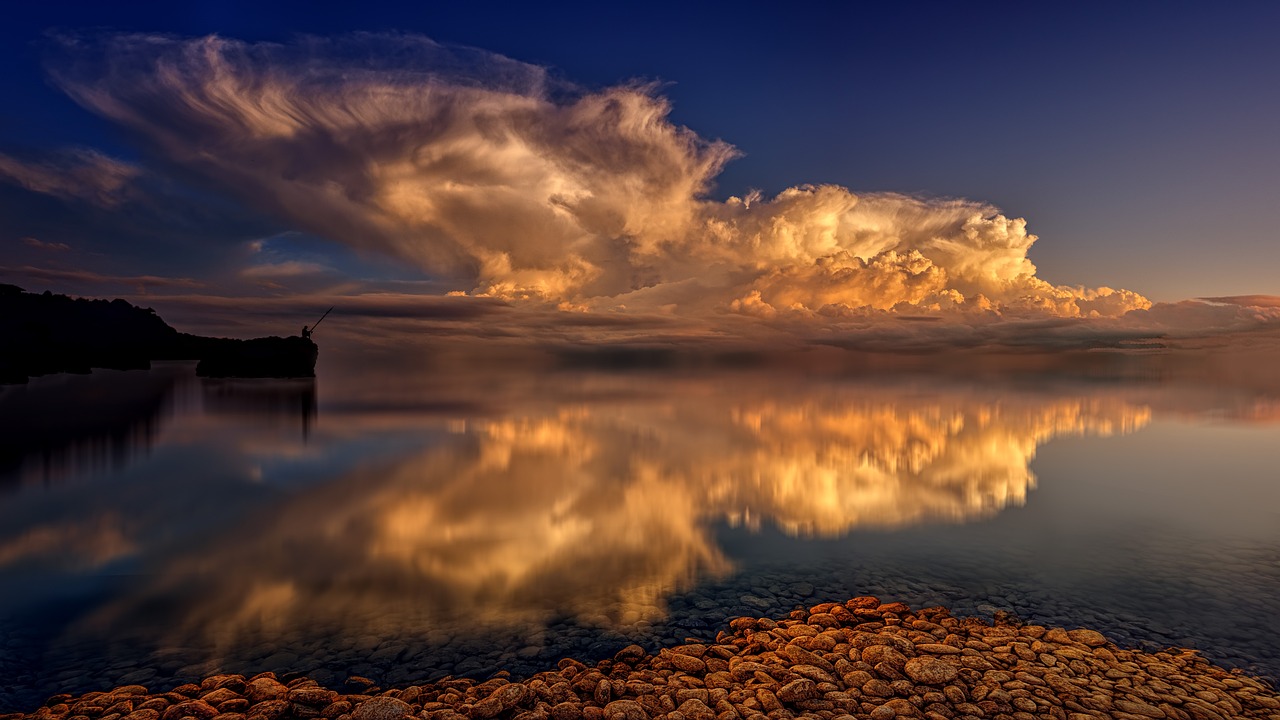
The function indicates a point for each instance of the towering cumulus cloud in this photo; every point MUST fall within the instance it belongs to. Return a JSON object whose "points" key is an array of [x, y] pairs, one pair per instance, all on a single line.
{"points": [[488, 172]]}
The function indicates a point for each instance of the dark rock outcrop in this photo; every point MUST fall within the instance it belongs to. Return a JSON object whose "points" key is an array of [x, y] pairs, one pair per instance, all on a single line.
{"points": [[42, 334], [276, 357]]}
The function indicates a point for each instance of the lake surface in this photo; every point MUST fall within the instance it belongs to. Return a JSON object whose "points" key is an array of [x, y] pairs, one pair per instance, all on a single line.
{"points": [[410, 523]]}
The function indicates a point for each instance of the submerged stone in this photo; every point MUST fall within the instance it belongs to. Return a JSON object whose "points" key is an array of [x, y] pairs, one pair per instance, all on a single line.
{"points": [[383, 708]]}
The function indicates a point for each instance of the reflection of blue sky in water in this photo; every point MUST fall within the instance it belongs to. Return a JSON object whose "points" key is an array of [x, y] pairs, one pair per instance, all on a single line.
{"points": [[596, 497]]}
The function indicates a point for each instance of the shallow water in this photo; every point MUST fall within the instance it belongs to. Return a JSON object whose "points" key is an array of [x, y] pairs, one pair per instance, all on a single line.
{"points": [[156, 527]]}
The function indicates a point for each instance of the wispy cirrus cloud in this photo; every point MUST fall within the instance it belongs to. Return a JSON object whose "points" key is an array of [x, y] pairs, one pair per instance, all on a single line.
{"points": [[1262, 301], [80, 174], [41, 245], [87, 280]]}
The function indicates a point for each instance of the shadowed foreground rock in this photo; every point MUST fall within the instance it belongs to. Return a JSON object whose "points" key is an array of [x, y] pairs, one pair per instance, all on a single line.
{"points": [[859, 659]]}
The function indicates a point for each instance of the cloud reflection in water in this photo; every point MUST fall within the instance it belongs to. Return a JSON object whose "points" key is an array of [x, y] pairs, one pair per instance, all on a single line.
{"points": [[598, 510]]}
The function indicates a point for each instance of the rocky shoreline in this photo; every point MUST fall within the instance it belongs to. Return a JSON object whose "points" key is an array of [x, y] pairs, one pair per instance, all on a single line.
{"points": [[834, 661]]}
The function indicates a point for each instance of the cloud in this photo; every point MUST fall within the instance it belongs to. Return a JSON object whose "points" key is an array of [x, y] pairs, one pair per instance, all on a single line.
{"points": [[83, 544], [1267, 301], [1190, 317], [88, 280], [285, 269], [491, 174], [85, 175], [41, 245], [598, 510]]}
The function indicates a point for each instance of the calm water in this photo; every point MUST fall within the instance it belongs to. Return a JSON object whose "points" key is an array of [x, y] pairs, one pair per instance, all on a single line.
{"points": [[405, 525]]}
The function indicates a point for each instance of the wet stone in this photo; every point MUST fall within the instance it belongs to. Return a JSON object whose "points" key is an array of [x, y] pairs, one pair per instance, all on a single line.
{"points": [[695, 709], [268, 710], [798, 690], [382, 708], [566, 711], [1092, 638], [261, 689], [625, 710], [280, 660], [930, 671]]}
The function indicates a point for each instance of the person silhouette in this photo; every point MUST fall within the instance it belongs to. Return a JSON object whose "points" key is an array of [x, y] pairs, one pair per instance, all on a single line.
{"points": [[306, 334]]}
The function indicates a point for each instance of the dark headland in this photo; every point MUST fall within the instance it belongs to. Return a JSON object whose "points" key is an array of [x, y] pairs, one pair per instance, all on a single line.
{"points": [[44, 333]]}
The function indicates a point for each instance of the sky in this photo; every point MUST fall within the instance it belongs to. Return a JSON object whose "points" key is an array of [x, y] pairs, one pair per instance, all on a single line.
{"points": [[657, 167]]}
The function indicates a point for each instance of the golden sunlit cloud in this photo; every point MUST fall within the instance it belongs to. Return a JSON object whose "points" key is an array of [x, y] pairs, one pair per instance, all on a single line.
{"points": [[481, 169]]}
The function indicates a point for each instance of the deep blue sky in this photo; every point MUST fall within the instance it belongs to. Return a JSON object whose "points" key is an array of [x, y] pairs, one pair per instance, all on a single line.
{"points": [[1139, 139]]}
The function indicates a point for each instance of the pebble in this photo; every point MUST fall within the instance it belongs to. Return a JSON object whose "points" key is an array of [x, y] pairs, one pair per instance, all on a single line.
{"points": [[382, 708], [836, 661], [930, 671]]}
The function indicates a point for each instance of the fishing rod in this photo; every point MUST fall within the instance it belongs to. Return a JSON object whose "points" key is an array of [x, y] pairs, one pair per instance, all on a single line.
{"points": [[306, 332], [322, 317]]}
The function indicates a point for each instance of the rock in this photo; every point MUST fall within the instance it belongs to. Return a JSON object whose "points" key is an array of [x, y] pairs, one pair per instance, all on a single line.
{"points": [[695, 709], [566, 711], [280, 661], [625, 710], [388, 653], [382, 708], [314, 696], [1092, 638], [813, 673], [630, 653], [603, 691], [333, 710], [700, 694], [800, 656], [884, 712], [219, 696], [877, 688], [268, 710], [686, 663], [261, 689], [487, 708], [1057, 635], [798, 690], [930, 671], [510, 695], [938, 649], [198, 709], [876, 654], [1139, 708], [234, 683]]}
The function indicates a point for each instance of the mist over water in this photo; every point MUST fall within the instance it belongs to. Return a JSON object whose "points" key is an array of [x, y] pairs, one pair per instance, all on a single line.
{"points": [[404, 521]]}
